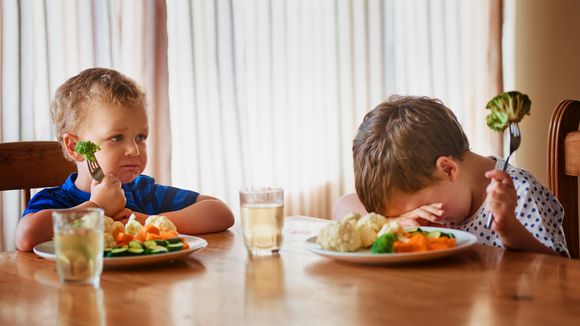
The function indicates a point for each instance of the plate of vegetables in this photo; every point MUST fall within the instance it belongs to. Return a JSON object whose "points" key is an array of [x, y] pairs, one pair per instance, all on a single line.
{"points": [[139, 253], [373, 239], [136, 244]]}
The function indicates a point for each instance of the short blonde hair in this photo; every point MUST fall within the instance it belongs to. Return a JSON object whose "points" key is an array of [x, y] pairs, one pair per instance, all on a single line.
{"points": [[79, 94], [397, 146]]}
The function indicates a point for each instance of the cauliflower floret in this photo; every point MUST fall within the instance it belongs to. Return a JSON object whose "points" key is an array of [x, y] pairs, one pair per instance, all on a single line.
{"points": [[133, 226], [109, 241], [109, 226], [339, 237], [390, 227], [350, 218], [161, 222], [368, 226]]}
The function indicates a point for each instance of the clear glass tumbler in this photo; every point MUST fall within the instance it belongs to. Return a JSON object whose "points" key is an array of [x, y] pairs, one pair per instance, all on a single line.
{"points": [[262, 211], [78, 243]]}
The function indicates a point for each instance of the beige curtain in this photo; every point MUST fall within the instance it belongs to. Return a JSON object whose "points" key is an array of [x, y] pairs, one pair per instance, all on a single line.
{"points": [[45, 42], [261, 92], [272, 92]]}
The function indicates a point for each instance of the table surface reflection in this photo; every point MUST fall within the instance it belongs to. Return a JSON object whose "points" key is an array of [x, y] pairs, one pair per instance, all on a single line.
{"points": [[221, 285]]}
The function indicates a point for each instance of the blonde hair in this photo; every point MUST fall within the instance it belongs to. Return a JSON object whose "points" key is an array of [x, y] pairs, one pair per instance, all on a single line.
{"points": [[79, 93], [397, 146]]}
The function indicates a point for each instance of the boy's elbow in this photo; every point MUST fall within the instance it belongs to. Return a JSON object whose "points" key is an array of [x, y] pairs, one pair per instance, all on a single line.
{"points": [[226, 217], [23, 241]]}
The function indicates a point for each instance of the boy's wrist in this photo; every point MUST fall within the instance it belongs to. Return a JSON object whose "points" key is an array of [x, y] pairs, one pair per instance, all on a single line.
{"points": [[512, 236], [89, 204]]}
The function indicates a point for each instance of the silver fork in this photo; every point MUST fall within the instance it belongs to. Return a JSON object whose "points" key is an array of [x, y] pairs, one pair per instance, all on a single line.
{"points": [[515, 140], [95, 170]]}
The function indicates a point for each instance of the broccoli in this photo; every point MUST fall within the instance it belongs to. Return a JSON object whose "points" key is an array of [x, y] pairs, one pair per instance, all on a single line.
{"points": [[87, 149], [505, 108], [384, 243]]}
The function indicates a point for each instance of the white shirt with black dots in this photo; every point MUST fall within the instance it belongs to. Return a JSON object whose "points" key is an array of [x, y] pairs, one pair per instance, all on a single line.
{"points": [[537, 209]]}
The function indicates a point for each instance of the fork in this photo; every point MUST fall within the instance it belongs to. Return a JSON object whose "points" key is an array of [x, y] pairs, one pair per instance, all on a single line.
{"points": [[95, 170], [515, 140]]}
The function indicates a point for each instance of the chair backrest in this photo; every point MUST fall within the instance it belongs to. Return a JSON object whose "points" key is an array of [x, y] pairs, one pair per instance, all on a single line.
{"points": [[564, 166], [33, 164]]}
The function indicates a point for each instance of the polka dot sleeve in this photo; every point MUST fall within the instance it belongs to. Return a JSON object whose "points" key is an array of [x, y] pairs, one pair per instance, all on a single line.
{"points": [[539, 211]]}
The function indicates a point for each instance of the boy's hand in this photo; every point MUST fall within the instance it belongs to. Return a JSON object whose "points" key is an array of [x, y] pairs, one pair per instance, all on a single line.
{"points": [[422, 216], [108, 195], [123, 215], [501, 202]]}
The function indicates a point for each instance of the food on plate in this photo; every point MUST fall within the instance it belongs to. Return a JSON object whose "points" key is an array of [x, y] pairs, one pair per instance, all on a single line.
{"points": [[133, 227], [161, 222], [381, 234], [390, 227], [110, 230], [87, 149], [352, 233], [340, 236], [158, 235], [505, 108], [398, 240], [351, 218], [368, 226]]}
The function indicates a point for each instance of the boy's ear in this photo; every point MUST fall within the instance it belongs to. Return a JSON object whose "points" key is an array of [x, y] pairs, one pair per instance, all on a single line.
{"points": [[447, 167], [70, 141]]}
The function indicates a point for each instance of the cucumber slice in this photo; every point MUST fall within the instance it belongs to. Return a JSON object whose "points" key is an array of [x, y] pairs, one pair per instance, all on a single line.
{"points": [[136, 251], [434, 234], [118, 251], [161, 243], [150, 244], [175, 246], [159, 250], [448, 235], [174, 240], [135, 244], [106, 252]]}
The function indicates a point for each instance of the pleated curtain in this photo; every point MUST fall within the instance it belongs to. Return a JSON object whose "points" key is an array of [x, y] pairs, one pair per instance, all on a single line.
{"points": [[252, 92]]}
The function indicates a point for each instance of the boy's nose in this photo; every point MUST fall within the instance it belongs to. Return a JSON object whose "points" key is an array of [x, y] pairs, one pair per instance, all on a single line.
{"points": [[132, 149]]}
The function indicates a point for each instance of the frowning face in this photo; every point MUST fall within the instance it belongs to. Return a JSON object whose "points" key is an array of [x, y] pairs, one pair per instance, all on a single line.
{"points": [[121, 132]]}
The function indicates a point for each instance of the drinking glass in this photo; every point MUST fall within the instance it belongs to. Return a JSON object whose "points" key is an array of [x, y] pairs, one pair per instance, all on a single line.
{"points": [[78, 243], [262, 210]]}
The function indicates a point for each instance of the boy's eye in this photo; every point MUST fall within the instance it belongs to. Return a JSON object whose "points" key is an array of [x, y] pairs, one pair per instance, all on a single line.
{"points": [[141, 137], [117, 138]]}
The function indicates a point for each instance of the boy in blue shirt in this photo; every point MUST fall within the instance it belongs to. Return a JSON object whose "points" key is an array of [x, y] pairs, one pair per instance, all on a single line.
{"points": [[109, 109]]}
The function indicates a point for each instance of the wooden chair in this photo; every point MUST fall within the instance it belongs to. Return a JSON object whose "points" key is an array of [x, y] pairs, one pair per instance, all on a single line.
{"points": [[564, 166], [33, 164]]}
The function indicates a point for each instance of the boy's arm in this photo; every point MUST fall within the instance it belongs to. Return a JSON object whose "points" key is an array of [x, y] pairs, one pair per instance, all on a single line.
{"points": [[517, 237], [501, 201], [206, 215], [35, 228]]}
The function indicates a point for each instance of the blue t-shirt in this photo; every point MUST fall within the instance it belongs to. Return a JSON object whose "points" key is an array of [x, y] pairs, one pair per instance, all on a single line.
{"points": [[143, 195]]}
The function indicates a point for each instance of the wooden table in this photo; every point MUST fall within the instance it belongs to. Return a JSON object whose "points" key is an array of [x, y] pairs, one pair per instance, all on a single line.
{"points": [[222, 286]]}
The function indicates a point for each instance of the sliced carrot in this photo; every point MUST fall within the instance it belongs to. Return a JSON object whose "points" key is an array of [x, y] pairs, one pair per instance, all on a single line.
{"points": [[152, 236], [151, 229], [140, 236], [185, 245], [117, 231], [168, 234], [123, 238]]}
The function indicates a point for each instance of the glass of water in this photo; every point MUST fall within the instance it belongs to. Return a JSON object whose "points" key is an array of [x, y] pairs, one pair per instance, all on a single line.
{"points": [[78, 243], [262, 210]]}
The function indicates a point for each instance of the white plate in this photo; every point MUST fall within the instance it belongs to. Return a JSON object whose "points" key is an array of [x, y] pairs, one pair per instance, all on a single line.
{"points": [[46, 250], [464, 241]]}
